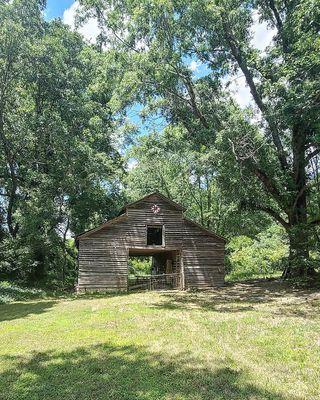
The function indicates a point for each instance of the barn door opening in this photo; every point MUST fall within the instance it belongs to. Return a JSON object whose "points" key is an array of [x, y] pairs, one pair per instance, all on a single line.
{"points": [[159, 270]]}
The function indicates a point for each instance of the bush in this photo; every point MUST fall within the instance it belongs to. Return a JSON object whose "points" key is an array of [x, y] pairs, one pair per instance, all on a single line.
{"points": [[11, 292], [259, 256], [45, 263]]}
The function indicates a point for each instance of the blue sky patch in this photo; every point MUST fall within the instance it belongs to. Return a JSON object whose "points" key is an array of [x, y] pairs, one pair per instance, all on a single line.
{"points": [[55, 8]]}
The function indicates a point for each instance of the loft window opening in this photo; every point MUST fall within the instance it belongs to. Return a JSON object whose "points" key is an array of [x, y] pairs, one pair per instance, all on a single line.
{"points": [[155, 236]]}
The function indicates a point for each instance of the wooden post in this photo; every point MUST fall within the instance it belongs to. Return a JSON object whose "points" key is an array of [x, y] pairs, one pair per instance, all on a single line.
{"points": [[128, 255], [182, 271]]}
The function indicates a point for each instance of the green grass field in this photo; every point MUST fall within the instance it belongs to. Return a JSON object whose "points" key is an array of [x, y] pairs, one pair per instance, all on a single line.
{"points": [[245, 341]]}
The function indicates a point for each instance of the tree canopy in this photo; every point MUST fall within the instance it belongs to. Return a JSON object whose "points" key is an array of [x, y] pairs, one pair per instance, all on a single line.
{"points": [[64, 106], [59, 168], [271, 148]]}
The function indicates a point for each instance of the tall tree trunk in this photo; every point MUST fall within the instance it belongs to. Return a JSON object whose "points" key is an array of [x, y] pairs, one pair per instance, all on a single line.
{"points": [[65, 251], [298, 252], [200, 200], [12, 190], [209, 200], [299, 231]]}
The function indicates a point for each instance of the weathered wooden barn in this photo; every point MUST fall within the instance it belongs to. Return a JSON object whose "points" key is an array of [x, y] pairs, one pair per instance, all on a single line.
{"points": [[183, 252]]}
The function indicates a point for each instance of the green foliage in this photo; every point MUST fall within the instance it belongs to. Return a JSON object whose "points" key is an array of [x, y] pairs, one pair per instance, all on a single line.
{"points": [[139, 266], [12, 292], [63, 110], [267, 155], [59, 166], [187, 174], [260, 256]]}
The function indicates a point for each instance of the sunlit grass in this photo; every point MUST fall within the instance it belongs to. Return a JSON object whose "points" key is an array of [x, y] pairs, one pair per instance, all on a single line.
{"points": [[246, 341]]}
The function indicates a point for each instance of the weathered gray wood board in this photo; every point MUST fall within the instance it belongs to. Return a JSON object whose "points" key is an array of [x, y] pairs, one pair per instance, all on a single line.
{"points": [[203, 257], [104, 251]]}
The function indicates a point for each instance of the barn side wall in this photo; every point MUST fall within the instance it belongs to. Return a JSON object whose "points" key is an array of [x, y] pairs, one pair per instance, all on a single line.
{"points": [[103, 260], [203, 258]]}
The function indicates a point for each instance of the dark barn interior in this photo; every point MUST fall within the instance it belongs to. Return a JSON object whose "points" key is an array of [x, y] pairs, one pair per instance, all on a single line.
{"points": [[164, 273]]}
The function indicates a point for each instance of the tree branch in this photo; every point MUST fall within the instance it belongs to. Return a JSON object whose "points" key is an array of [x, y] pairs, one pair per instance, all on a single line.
{"points": [[270, 211], [315, 222], [269, 186], [279, 24], [194, 105], [312, 154], [237, 54]]}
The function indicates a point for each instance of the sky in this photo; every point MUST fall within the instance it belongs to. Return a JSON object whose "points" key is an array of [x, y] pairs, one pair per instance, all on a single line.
{"points": [[55, 8], [262, 37]]}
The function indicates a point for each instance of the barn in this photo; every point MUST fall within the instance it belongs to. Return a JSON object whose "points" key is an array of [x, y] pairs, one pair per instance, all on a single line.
{"points": [[184, 254]]}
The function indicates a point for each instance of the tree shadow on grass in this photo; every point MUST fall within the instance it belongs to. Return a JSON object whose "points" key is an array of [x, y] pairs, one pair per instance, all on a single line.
{"points": [[12, 311], [244, 297], [125, 373]]}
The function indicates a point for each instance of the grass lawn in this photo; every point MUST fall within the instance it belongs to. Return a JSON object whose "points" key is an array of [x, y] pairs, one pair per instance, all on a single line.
{"points": [[245, 341]]}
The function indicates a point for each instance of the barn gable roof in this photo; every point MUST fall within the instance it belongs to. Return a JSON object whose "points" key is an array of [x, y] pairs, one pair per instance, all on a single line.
{"points": [[123, 216], [220, 238], [101, 226], [156, 193]]}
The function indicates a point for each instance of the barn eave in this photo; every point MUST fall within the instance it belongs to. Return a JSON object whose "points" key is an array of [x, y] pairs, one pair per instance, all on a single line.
{"points": [[105, 224], [221, 238]]}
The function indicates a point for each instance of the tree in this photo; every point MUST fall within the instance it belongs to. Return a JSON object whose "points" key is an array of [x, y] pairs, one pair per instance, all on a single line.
{"points": [[274, 152], [187, 174], [59, 168]]}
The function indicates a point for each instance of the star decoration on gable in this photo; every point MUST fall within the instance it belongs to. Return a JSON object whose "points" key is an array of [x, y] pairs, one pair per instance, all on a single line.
{"points": [[155, 209]]}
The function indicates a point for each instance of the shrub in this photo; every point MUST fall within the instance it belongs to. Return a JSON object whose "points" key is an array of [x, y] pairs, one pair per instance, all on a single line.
{"points": [[259, 256]]}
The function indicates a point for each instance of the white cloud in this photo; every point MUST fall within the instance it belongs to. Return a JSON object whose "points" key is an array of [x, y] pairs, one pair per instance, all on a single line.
{"points": [[194, 65], [262, 35], [90, 30], [132, 163], [239, 90]]}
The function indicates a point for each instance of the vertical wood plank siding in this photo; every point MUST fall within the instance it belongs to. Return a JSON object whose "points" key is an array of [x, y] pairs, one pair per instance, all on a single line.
{"points": [[203, 258], [103, 254]]}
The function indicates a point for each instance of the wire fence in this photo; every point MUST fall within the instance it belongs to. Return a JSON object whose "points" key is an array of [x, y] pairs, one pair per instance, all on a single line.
{"points": [[155, 282]]}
